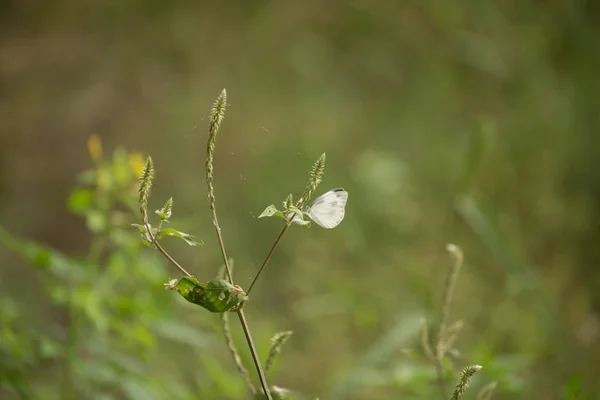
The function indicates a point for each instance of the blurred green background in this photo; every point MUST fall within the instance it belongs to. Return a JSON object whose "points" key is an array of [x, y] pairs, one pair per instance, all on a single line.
{"points": [[474, 123]]}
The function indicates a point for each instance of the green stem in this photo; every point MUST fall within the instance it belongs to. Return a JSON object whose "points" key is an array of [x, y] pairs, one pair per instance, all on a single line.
{"points": [[254, 353], [246, 329], [234, 352], [267, 258]]}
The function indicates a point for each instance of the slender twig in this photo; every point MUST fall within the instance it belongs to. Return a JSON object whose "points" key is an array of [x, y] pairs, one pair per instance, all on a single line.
{"points": [[440, 377], [316, 176], [254, 353], [442, 335], [217, 115], [168, 257], [234, 353], [267, 258], [448, 292], [231, 343], [434, 360], [246, 329]]}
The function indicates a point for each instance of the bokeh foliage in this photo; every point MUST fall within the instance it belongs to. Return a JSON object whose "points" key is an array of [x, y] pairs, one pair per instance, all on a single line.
{"points": [[468, 123]]}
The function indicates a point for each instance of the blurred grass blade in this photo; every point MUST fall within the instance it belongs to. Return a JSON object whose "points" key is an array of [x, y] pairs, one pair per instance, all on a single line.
{"points": [[399, 336], [277, 342], [518, 272], [42, 256]]}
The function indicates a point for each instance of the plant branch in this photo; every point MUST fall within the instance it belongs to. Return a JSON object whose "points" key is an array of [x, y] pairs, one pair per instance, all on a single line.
{"points": [[267, 258], [168, 257], [216, 117], [247, 334], [316, 176], [234, 353], [254, 353]]}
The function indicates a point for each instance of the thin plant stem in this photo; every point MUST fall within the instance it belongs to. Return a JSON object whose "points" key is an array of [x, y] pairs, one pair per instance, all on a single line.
{"points": [[231, 343], [234, 353], [448, 292], [217, 115], [246, 329], [267, 258], [222, 245], [254, 353], [316, 176], [168, 257], [216, 118], [440, 378], [434, 360], [442, 336]]}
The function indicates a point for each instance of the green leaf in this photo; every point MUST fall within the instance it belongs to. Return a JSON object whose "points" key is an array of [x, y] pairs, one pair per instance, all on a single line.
{"points": [[146, 238], [300, 217], [217, 296], [80, 201], [271, 211], [181, 235], [142, 228]]}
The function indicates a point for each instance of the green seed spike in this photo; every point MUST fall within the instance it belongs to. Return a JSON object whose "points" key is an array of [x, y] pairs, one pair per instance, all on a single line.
{"points": [[217, 114], [316, 176], [145, 182], [463, 382], [277, 342]]}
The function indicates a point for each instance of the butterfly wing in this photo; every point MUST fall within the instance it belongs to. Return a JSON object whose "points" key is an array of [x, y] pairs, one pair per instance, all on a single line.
{"points": [[329, 209]]}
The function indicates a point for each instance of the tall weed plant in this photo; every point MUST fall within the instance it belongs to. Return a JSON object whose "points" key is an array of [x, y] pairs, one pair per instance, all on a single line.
{"points": [[120, 328]]}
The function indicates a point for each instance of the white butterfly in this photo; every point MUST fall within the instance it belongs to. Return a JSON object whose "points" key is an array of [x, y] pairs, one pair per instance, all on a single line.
{"points": [[328, 210]]}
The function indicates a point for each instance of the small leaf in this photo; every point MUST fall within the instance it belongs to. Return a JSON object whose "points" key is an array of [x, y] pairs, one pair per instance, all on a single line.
{"points": [[181, 235], [145, 235], [142, 228], [271, 211], [300, 217]]}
